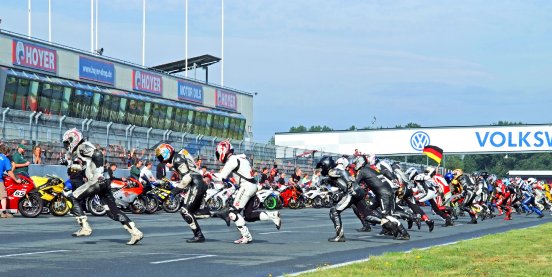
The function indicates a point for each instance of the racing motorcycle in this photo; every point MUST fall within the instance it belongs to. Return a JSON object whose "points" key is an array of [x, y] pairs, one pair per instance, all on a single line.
{"points": [[318, 197], [50, 189], [22, 197], [292, 197], [127, 194], [161, 194]]}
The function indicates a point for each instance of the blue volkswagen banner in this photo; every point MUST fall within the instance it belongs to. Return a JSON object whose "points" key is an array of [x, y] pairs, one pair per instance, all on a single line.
{"points": [[97, 71], [190, 92]]}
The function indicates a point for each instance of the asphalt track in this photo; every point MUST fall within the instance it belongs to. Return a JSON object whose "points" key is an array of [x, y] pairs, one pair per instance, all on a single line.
{"points": [[43, 246]]}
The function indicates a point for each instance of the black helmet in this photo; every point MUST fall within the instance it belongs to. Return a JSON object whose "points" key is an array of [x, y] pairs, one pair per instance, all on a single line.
{"points": [[325, 164]]}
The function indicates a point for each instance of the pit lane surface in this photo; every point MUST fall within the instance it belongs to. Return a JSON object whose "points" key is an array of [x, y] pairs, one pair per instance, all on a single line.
{"points": [[43, 246]]}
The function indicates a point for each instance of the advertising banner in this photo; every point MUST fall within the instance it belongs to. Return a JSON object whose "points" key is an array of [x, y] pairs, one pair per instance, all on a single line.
{"points": [[226, 100], [95, 70], [147, 82], [34, 56], [476, 139], [190, 92]]}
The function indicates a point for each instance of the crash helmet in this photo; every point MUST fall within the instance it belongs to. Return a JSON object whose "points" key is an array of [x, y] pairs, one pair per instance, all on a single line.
{"points": [[223, 150], [411, 173], [71, 139], [449, 176], [164, 153], [325, 164]]}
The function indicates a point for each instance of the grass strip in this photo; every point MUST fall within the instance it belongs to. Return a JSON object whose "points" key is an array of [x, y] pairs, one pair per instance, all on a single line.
{"points": [[524, 252]]}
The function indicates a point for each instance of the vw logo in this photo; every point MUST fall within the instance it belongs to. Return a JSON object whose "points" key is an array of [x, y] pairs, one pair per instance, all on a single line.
{"points": [[419, 140]]}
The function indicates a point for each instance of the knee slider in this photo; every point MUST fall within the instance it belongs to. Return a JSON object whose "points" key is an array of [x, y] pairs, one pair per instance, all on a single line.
{"points": [[186, 215]]}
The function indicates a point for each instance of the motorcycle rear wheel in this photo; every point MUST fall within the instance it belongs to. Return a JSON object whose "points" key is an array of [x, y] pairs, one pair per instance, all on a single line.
{"points": [[317, 202], [95, 206], [30, 205], [293, 203]]}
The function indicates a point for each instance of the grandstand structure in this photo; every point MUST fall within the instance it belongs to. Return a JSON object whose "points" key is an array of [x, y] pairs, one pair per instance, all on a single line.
{"points": [[47, 88]]}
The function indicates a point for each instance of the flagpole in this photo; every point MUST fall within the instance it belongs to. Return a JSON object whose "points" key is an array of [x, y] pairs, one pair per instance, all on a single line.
{"points": [[29, 19], [91, 25], [96, 38], [186, 40], [143, 33], [222, 48], [50, 21]]}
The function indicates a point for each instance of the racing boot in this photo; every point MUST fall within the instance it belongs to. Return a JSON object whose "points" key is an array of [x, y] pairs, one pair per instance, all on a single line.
{"points": [[198, 236], [430, 224], [135, 234], [365, 226], [85, 229], [418, 222], [339, 234], [224, 215], [448, 222], [473, 219], [402, 234], [274, 216], [246, 236], [410, 223], [389, 229]]}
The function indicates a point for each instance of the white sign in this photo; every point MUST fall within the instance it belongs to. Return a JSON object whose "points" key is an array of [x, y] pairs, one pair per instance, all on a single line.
{"points": [[480, 139]]}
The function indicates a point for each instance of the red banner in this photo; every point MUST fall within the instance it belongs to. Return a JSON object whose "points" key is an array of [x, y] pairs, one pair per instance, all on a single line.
{"points": [[33, 56]]}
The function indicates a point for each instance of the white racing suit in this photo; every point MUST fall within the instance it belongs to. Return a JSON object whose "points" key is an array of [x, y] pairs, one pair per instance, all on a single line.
{"points": [[238, 167], [98, 184]]}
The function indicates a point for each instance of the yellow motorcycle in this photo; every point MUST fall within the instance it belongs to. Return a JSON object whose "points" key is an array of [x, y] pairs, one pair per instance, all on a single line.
{"points": [[50, 189]]}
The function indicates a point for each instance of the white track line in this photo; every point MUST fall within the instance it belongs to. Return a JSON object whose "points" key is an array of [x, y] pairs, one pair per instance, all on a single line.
{"points": [[327, 267], [182, 259], [276, 232], [32, 253]]}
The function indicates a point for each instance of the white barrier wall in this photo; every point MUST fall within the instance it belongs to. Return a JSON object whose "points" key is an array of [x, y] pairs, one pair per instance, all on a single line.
{"points": [[473, 139]]}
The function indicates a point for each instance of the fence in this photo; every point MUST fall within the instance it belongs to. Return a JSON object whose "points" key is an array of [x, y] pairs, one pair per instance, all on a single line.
{"points": [[126, 143]]}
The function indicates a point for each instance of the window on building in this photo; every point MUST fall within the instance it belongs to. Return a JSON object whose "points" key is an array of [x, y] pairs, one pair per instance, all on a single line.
{"points": [[65, 100], [22, 91], [10, 92], [146, 115], [169, 117], [121, 110]]}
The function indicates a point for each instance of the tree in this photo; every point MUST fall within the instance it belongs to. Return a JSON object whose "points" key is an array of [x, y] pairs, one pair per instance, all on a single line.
{"points": [[298, 129], [352, 128]]}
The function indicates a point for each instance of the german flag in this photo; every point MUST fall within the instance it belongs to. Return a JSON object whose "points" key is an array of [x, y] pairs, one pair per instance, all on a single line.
{"points": [[434, 152]]}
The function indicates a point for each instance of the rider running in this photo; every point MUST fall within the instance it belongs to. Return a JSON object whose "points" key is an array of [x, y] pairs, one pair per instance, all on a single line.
{"points": [[96, 183], [384, 197], [348, 194], [238, 167], [190, 179]]}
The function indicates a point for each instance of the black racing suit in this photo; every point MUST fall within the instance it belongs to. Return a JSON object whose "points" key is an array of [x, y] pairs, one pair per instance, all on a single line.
{"points": [[192, 180], [349, 194], [384, 197]]}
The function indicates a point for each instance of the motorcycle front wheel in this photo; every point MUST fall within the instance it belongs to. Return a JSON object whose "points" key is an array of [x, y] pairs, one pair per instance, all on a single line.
{"points": [[138, 206], [152, 204], [30, 205], [270, 203], [172, 204], [59, 206]]}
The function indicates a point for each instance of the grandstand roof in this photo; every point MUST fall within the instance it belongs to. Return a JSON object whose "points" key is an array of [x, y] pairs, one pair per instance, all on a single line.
{"points": [[180, 66]]}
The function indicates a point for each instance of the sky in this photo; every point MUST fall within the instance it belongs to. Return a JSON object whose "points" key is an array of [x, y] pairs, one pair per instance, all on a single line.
{"points": [[336, 63]]}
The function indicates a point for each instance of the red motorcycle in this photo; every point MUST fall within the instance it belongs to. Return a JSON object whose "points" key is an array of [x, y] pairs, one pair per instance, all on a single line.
{"points": [[22, 197], [292, 197]]}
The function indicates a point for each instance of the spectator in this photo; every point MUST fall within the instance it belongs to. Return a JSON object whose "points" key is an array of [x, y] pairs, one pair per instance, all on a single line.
{"points": [[316, 178], [296, 177], [282, 179], [273, 174], [305, 181], [5, 166], [111, 172], [264, 175], [38, 154], [146, 176], [255, 175], [135, 170], [21, 164]]}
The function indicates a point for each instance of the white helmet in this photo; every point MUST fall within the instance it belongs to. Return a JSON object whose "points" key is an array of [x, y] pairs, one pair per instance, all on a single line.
{"points": [[430, 171], [411, 173], [531, 181], [71, 139], [371, 158]]}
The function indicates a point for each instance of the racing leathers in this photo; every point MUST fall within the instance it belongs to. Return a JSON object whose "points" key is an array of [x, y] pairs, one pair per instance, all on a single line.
{"points": [[349, 194], [238, 167], [97, 183], [384, 196], [427, 191]]}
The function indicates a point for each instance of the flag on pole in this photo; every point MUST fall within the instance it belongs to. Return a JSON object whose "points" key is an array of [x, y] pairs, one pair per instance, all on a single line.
{"points": [[434, 152]]}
